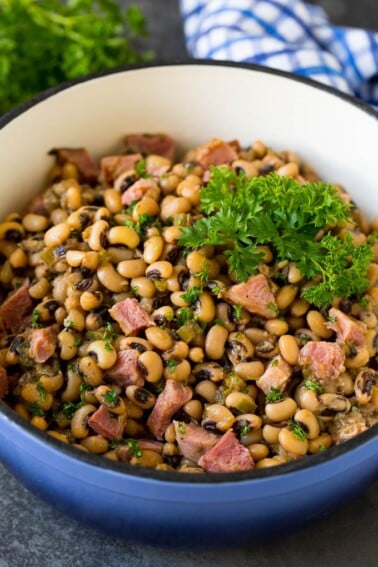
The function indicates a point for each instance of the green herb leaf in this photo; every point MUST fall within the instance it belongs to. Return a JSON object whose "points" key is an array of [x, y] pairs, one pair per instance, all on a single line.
{"points": [[41, 391], [192, 294], [314, 386], [133, 445], [274, 395], [35, 324], [111, 398], [171, 364], [297, 430], [181, 428], [35, 410]]}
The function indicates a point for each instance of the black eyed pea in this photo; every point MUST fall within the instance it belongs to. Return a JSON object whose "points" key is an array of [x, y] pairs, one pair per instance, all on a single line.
{"points": [[247, 422], [318, 324], [171, 233], [363, 385], [299, 307], [289, 349], [207, 390], [134, 428], [159, 338], [282, 410], [91, 300], [247, 167], [95, 235], [307, 399], [143, 287], [101, 213], [74, 257], [204, 309], [323, 441], [276, 327], [123, 235], [344, 384], [194, 409], [141, 345], [39, 422], [151, 366], [133, 268], [79, 427], [57, 435], [75, 320], [104, 353], [67, 344], [190, 188], [57, 235], [40, 289], [110, 278], [18, 258], [178, 300], [148, 459], [285, 296], [335, 402], [163, 314], [35, 223], [141, 397], [179, 350], [6, 273], [110, 398], [290, 169], [156, 162], [215, 341], [90, 371], [147, 206], [251, 370], [196, 354], [209, 371], [240, 403], [218, 415], [267, 349], [358, 359], [179, 371], [33, 393], [52, 383], [308, 422], [239, 347], [71, 393], [113, 201], [172, 206], [270, 433], [161, 270], [11, 230], [95, 444], [170, 434], [153, 248], [291, 443], [258, 451]]}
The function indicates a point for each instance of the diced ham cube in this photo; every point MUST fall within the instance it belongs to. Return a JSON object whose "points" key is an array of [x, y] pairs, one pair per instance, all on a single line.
{"points": [[113, 166], [86, 166], [4, 383], [43, 343], [277, 375], [347, 329], [171, 399], [137, 190], [194, 440], [106, 424], [159, 144], [15, 311], [324, 360], [255, 296], [227, 455], [215, 152], [125, 371], [130, 316]]}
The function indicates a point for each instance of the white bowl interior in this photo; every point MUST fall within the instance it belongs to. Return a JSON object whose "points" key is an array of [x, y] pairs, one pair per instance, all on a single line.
{"points": [[193, 103]]}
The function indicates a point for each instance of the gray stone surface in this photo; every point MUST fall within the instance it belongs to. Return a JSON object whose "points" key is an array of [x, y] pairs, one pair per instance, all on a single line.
{"points": [[33, 533]]}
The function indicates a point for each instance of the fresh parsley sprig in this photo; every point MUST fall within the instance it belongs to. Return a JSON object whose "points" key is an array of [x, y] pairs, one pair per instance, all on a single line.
{"points": [[242, 213]]}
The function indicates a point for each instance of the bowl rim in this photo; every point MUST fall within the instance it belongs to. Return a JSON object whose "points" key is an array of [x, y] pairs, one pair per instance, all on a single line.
{"points": [[101, 463]]}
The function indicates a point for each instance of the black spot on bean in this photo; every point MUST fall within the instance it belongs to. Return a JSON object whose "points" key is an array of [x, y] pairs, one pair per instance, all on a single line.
{"points": [[154, 275], [209, 425], [266, 168], [172, 460], [173, 254], [127, 182], [138, 346], [60, 251], [142, 395], [84, 284], [84, 219]]}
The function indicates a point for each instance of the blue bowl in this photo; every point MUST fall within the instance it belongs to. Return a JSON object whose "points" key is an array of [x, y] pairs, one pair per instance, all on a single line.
{"points": [[161, 508]]}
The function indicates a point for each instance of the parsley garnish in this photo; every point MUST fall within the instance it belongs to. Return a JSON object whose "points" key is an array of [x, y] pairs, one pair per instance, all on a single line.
{"points": [[133, 445], [203, 275], [171, 364], [41, 391], [35, 324], [35, 410], [245, 430], [242, 213], [142, 222], [68, 324], [322, 447], [78, 342], [314, 386], [184, 316], [297, 430], [238, 311], [69, 409], [181, 428], [192, 294], [111, 398], [274, 395], [141, 168]]}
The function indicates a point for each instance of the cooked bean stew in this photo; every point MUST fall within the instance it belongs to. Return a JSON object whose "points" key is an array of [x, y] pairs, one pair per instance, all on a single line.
{"points": [[174, 315]]}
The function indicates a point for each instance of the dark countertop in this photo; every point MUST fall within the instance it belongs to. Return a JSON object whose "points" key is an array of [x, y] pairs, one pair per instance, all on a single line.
{"points": [[33, 533]]}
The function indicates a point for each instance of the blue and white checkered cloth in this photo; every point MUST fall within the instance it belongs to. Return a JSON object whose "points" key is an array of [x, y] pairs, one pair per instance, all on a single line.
{"points": [[285, 34]]}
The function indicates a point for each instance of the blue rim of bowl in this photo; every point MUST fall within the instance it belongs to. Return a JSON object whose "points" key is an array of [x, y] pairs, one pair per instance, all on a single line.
{"points": [[310, 461]]}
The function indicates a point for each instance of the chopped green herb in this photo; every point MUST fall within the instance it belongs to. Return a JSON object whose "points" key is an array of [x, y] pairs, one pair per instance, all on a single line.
{"points": [[41, 391], [238, 311], [171, 364], [314, 386], [203, 275], [245, 430], [192, 294], [141, 169], [78, 342], [297, 430], [134, 290], [35, 410], [274, 362], [331, 319], [181, 428], [273, 308], [322, 447], [218, 322], [35, 319], [274, 395], [111, 398], [69, 409], [364, 302], [184, 316], [242, 213], [133, 445], [72, 367], [68, 324], [84, 387]]}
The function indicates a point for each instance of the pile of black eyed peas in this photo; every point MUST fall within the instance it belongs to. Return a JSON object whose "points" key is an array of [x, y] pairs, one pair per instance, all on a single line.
{"points": [[85, 250]]}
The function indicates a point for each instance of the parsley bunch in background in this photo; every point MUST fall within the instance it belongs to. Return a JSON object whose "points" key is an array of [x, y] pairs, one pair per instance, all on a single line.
{"points": [[46, 42]]}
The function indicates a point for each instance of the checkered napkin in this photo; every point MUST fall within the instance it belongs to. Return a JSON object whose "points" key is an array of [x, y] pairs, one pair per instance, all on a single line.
{"points": [[285, 34]]}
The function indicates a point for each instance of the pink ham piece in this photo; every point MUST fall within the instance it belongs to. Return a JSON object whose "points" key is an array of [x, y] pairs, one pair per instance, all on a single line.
{"points": [[171, 399], [43, 343], [113, 166], [130, 316], [254, 295], [324, 360], [215, 152], [137, 191], [347, 330], [106, 424], [227, 455], [125, 371], [159, 144], [15, 311], [194, 440], [277, 375], [4, 383], [86, 166]]}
